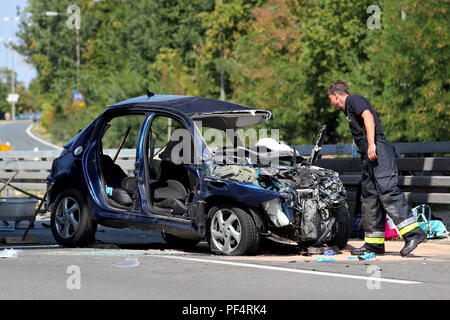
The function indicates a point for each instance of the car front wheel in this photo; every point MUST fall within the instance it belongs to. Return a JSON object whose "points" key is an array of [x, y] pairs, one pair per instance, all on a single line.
{"points": [[231, 231], [70, 222], [341, 229]]}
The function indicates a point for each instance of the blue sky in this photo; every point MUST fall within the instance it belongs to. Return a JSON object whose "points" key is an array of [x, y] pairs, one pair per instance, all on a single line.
{"points": [[8, 9]]}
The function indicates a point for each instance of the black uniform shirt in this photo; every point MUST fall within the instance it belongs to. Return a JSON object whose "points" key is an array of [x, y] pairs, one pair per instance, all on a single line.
{"points": [[355, 104]]}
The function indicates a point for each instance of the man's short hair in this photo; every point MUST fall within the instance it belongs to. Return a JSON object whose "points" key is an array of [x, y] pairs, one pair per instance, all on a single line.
{"points": [[338, 86]]}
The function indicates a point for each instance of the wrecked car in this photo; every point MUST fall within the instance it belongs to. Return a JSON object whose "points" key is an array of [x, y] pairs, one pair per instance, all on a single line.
{"points": [[195, 176]]}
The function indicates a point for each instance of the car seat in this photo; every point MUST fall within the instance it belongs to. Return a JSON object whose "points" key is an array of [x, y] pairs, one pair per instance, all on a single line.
{"points": [[112, 173], [118, 180], [126, 193], [170, 194], [167, 193]]}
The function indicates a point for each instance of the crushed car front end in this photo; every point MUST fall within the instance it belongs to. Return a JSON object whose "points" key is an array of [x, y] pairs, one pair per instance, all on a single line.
{"points": [[300, 203], [291, 200]]}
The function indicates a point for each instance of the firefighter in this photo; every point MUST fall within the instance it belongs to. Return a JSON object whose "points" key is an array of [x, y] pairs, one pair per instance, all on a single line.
{"points": [[379, 175]]}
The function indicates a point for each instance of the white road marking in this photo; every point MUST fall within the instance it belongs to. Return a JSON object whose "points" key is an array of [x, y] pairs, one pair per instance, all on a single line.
{"points": [[31, 135], [258, 266]]}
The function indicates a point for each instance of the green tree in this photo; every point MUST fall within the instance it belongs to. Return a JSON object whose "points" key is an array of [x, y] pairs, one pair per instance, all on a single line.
{"points": [[5, 89], [25, 103], [277, 54], [227, 23], [119, 42], [410, 66], [170, 75], [293, 51]]}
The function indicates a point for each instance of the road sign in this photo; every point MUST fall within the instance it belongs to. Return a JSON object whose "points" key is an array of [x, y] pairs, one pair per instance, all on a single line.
{"points": [[78, 99], [13, 98]]}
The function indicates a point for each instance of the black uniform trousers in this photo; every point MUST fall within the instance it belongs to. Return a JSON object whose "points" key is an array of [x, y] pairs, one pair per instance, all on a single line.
{"points": [[381, 195]]}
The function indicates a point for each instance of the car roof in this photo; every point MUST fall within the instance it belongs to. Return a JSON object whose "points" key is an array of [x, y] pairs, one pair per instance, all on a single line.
{"points": [[190, 105]]}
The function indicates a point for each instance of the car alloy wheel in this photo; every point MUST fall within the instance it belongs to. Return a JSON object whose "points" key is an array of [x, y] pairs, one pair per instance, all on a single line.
{"points": [[225, 231], [70, 221], [67, 217], [231, 230]]}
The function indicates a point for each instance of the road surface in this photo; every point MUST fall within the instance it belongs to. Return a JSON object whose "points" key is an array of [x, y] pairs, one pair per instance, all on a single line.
{"points": [[47, 271], [15, 133]]}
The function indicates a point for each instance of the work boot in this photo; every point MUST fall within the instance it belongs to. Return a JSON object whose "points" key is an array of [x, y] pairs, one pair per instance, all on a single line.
{"points": [[412, 240], [378, 249]]}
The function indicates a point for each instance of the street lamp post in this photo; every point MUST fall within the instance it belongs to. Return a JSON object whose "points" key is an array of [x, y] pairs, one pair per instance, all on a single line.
{"points": [[78, 58]]}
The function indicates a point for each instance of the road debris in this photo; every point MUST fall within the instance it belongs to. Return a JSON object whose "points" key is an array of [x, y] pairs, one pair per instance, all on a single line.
{"points": [[10, 253], [329, 253], [365, 256], [322, 259], [128, 263]]}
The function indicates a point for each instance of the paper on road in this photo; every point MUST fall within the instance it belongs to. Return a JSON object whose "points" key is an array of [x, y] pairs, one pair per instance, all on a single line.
{"points": [[10, 253]]}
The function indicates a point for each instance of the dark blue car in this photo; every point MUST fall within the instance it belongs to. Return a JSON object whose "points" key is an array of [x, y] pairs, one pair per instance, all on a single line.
{"points": [[199, 172]]}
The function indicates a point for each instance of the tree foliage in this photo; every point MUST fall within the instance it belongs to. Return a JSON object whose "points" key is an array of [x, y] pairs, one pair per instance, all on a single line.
{"points": [[279, 55], [411, 67], [26, 101]]}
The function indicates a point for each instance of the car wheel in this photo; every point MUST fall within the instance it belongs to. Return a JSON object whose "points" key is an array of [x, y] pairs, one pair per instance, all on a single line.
{"points": [[177, 242], [231, 231], [70, 222], [341, 230]]}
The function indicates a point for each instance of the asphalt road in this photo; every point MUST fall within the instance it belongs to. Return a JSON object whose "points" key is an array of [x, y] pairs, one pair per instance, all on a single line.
{"points": [[48, 271], [15, 133]]}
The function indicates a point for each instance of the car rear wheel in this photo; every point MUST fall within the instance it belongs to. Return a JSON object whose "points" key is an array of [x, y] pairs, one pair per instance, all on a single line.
{"points": [[70, 222], [231, 231]]}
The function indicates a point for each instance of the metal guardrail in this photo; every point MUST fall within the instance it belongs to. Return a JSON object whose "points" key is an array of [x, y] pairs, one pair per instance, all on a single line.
{"points": [[34, 166], [442, 147], [423, 179], [429, 184]]}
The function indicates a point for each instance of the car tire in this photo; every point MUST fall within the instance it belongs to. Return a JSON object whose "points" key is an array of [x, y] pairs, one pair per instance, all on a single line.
{"points": [[341, 229], [231, 231], [177, 242], [70, 222]]}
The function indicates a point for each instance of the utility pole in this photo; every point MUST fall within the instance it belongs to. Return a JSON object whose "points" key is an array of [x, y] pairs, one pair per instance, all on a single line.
{"points": [[13, 80], [78, 58]]}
